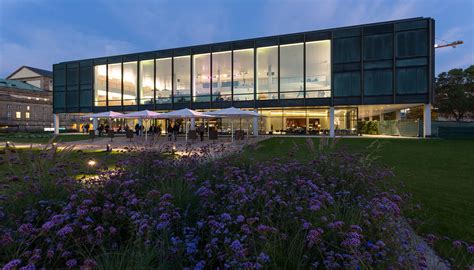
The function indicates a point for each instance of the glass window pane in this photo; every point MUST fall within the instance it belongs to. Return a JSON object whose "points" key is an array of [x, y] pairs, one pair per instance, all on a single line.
{"points": [[243, 72], [267, 72], [271, 121], [347, 84], [115, 84], [318, 66], [59, 77], [59, 99], [182, 83], [378, 82], [318, 121], [221, 76], [72, 99], [163, 80], [412, 80], [345, 121], [202, 77], [243, 97], [72, 76], [146, 82], [378, 47], [130, 83], [85, 98], [86, 75], [412, 43], [291, 70], [100, 94], [347, 50]]}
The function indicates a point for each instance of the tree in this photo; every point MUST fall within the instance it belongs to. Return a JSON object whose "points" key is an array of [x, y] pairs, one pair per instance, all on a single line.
{"points": [[455, 93]]}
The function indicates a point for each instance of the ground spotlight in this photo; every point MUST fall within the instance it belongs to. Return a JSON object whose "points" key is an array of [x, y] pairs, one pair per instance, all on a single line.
{"points": [[109, 148], [55, 145], [7, 144], [91, 163]]}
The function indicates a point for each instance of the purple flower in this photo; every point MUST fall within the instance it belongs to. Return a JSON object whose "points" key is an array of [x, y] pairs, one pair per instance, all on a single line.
{"points": [[47, 226], [336, 225], [226, 217], [87, 202], [457, 244], [89, 264], [30, 266], [71, 263], [64, 231], [314, 236], [240, 219], [99, 230], [166, 197], [200, 265], [13, 264], [6, 239], [26, 228], [236, 246], [470, 249], [263, 257]]}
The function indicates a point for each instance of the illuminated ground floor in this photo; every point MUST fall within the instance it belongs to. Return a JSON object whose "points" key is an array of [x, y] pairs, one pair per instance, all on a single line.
{"points": [[411, 120]]}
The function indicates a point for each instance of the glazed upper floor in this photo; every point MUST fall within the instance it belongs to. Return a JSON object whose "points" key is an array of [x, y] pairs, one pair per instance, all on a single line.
{"points": [[382, 63]]}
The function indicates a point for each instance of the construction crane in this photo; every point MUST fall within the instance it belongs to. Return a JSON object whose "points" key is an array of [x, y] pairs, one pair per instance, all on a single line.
{"points": [[449, 44]]}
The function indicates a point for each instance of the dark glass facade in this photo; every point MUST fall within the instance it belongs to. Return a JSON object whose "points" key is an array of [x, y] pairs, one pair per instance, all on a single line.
{"points": [[382, 63]]}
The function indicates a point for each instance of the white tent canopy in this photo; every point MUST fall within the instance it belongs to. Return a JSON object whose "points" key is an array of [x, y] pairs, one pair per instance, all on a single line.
{"points": [[145, 114], [185, 114], [233, 112], [109, 114]]}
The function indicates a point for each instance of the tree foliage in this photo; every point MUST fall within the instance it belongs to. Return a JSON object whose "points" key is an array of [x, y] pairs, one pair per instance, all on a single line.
{"points": [[455, 93]]}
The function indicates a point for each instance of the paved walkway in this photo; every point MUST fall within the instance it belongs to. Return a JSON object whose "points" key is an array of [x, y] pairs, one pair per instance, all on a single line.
{"points": [[213, 148]]}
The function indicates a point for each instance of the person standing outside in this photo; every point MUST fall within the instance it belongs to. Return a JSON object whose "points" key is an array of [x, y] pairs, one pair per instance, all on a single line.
{"points": [[175, 131], [201, 131], [170, 132]]}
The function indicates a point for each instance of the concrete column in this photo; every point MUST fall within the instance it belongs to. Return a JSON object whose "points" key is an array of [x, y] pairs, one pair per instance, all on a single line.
{"points": [[331, 122], [370, 118], [193, 124], [381, 117], [255, 125], [398, 115], [95, 125], [56, 123], [427, 120]]}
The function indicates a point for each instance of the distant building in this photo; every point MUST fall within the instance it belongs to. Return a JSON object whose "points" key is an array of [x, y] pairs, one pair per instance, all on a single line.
{"points": [[24, 107], [37, 77]]}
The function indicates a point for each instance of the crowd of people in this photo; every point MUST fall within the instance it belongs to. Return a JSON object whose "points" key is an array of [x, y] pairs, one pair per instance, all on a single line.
{"points": [[172, 130]]}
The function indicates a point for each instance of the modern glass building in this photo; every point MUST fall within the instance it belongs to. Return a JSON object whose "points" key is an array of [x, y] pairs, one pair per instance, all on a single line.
{"points": [[313, 82]]}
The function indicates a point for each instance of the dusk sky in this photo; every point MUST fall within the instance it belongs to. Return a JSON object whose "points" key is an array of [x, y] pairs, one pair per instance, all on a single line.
{"points": [[40, 33]]}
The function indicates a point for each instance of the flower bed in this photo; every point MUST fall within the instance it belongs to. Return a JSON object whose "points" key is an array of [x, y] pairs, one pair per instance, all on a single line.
{"points": [[159, 211]]}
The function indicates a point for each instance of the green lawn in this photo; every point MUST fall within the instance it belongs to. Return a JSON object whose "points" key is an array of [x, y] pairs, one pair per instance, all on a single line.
{"points": [[78, 158], [438, 173], [40, 138]]}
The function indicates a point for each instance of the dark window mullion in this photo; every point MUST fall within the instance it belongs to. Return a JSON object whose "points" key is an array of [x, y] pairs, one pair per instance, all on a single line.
{"points": [[121, 81], [107, 84], [304, 69], [154, 83], [279, 75], [191, 86], [232, 76], [255, 74], [210, 87], [172, 81]]}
